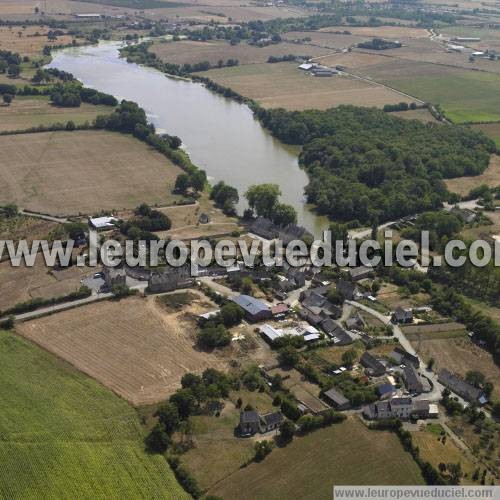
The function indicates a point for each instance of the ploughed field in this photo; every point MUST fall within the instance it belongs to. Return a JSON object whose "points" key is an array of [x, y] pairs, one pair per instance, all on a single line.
{"points": [[135, 347], [65, 435], [82, 172]]}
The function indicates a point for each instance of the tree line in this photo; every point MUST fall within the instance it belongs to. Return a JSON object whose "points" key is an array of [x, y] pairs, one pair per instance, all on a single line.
{"points": [[368, 166]]}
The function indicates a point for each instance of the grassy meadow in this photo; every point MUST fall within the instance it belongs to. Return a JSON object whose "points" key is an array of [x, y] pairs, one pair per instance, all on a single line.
{"points": [[66, 436], [464, 96]]}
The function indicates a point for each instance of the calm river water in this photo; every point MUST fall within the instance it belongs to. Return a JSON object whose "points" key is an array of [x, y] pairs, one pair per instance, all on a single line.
{"points": [[221, 135]]}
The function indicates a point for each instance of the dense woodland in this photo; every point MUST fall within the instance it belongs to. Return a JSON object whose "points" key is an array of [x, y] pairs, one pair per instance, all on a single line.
{"points": [[365, 165]]}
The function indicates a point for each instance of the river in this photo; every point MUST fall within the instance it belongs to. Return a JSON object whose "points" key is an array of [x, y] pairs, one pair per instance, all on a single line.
{"points": [[221, 136]]}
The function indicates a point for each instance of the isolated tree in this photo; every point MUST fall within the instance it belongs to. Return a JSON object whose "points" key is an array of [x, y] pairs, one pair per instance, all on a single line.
{"points": [[288, 357], [231, 314], [287, 430], [158, 440], [198, 180], [7, 99], [349, 357], [182, 183], [263, 198], [168, 416]]}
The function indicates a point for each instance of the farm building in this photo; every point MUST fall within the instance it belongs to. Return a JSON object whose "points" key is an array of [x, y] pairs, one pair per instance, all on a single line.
{"points": [[412, 380], [386, 391], [169, 279], [402, 357], [402, 315], [336, 399], [373, 366], [114, 276], [251, 422], [402, 408], [102, 223], [349, 290], [359, 273], [462, 388], [255, 310]]}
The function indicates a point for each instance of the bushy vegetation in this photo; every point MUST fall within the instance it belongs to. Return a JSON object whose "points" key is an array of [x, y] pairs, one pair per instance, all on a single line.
{"points": [[145, 221], [369, 166]]}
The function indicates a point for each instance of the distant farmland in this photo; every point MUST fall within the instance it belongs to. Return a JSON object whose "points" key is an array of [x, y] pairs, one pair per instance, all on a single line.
{"points": [[193, 52], [82, 172], [68, 437], [308, 468]]}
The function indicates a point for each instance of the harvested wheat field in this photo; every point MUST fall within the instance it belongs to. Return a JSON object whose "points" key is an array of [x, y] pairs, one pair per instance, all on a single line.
{"points": [[24, 113], [283, 85], [380, 31], [490, 177], [134, 347], [213, 51], [82, 172], [30, 40]]}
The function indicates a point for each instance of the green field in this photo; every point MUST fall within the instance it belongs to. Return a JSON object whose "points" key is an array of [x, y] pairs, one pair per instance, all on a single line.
{"points": [[346, 453], [464, 96], [62, 435]]}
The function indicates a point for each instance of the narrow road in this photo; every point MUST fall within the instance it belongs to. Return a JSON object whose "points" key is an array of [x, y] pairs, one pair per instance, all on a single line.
{"points": [[45, 311], [50, 218], [437, 388]]}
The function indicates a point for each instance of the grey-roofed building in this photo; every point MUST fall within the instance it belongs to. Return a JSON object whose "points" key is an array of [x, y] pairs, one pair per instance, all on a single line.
{"points": [[255, 310], [373, 366], [249, 423], [264, 228], [355, 322], [401, 356], [336, 399], [412, 379], [114, 276], [462, 388], [402, 315], [401, 407], [386, 391], [270, 421], [359, 273], [349, 290]]}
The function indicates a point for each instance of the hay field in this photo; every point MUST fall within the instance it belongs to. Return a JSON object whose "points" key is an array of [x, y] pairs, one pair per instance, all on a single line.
{"points": [[435, 452], [32, 40], [27, 112], [20, 284], [67, 436], [134, 347], [307, 468], [459, 355], [212, 51], [283, 85], [490, 177], [325, 39], [82, 172]]}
